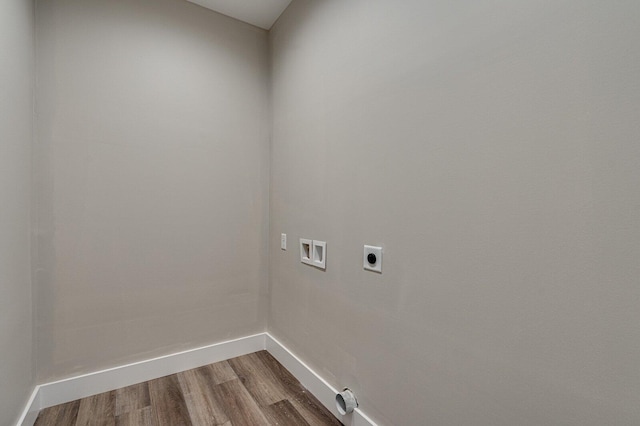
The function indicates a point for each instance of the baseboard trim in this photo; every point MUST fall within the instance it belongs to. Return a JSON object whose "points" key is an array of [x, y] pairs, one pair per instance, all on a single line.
{"points": [[61, 391], [30, 412], [311, 380], [66, 390]]}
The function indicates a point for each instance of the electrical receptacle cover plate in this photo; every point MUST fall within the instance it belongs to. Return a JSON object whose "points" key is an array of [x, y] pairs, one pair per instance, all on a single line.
{"points": [[377, 266]]}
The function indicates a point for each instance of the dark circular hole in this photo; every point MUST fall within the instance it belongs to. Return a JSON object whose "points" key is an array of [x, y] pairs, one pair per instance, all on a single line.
{"points": [[341, 403], [371, 258]]}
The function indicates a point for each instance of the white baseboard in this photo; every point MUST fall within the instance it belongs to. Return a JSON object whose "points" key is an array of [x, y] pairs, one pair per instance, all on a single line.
{"points": [[311, 380], [71, 389], [61, 391], [30, 412]]}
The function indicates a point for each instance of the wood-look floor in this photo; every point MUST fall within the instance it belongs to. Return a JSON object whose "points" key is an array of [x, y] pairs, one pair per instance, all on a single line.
{"points": [[250, 390]]}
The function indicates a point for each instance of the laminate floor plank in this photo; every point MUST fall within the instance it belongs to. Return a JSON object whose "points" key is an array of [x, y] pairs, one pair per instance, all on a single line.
{"points": [[251, 390], [197, 387], [132, 398], [261, 383], [281, 374], [313, 411], [283, 413], [141, 417], [219, 372], [63, 414], [304, 402], [97, 410], [167, 402], [241, 408]]}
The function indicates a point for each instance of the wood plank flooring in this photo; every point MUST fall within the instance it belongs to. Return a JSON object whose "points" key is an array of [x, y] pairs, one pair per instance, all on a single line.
{"points": [[251, 390]]}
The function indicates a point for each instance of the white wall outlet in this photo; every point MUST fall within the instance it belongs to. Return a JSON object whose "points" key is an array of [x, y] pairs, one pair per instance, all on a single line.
{"points": [[372, 258], [283, 241], [306, 251], [320, 254]]}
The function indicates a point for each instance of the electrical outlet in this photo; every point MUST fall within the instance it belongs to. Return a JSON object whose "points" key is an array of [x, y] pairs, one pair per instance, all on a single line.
{"points": [[372, 258]]}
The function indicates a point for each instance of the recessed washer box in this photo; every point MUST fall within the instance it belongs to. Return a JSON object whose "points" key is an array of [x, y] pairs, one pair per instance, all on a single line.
{"points": [[306, 251], [319, 254]]}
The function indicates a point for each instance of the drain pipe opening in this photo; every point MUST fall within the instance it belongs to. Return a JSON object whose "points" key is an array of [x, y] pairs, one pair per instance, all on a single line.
{"points": [[346, 402]]}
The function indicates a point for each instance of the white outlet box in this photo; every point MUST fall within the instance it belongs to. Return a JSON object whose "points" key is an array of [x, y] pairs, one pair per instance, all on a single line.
{"points": [[372, 260], [283, 241]]}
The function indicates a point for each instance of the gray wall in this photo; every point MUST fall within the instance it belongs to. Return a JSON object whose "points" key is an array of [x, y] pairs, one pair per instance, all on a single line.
{"points": [[16, 118], [153, 181], [492, 148]]}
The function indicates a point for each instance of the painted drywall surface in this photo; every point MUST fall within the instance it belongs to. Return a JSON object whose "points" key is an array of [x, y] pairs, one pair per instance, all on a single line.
{"points": [[492, 148], [261, 13], [153, 181], [16, 129]]}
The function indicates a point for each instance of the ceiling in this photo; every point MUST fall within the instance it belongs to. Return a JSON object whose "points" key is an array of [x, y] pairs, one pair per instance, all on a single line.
{"points": [[261, 13]]}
